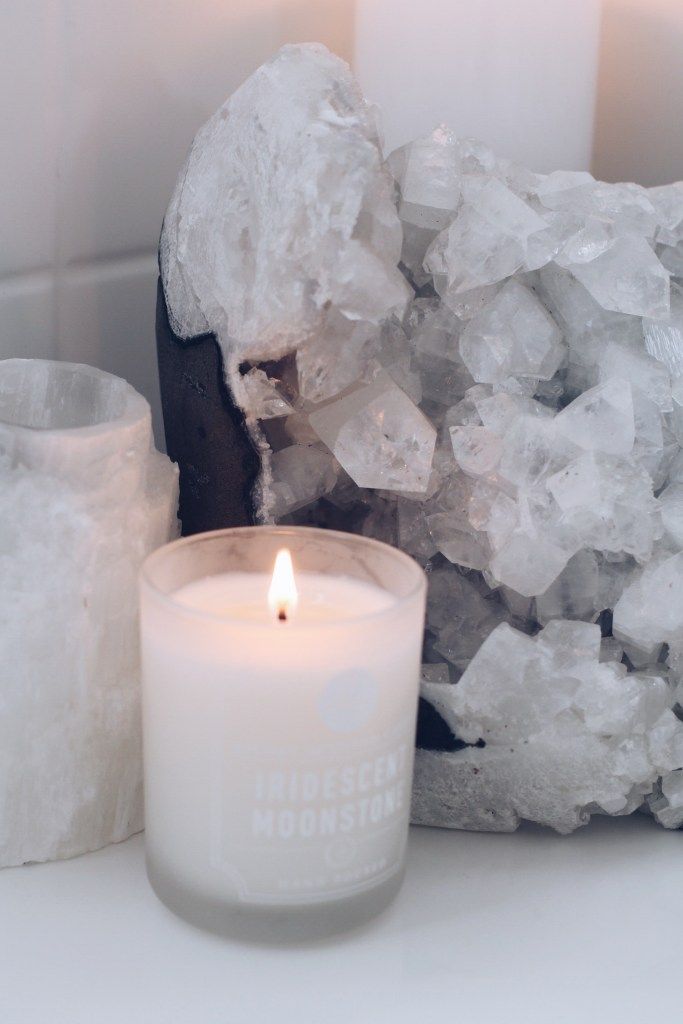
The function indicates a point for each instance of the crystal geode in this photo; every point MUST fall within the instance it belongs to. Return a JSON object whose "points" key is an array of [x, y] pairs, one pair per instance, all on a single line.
{"points": [[484, 366], [84, 496]]}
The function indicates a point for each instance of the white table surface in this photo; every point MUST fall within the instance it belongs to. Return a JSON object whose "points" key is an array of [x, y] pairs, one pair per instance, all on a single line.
{"points": [[488, 929]]}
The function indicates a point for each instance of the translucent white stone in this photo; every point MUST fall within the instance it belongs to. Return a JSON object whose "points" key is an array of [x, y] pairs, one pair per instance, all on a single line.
{"points": [[579, 485], [477, 158], [570, 642], [486, 242], [586, 326], [664, 338], [671, 505], [434, 332], [299, 430], [459, 618], [503, 711], [601, 419], [575, 592], [586, 242], [528, 563], [671, 258], [565, 735], [520, 608], [494, 512], [492, 358], [84, 497], [611, 649], [498, 412], [624, 204], [460, 545], [641, 370], [655, 446], [676, 467], [476, 449], [335, 357], [428, 173], [394, 354], [667, 805], [668, 202], [561, 187], [650, 610], [380, 438], [262, 396], [301, 475], [282, 211], [413, 531], [640, 657], [608, 504], [465, 412], [530, 450], [466, 304], [563, 232], [628, 278], [513, 335]]}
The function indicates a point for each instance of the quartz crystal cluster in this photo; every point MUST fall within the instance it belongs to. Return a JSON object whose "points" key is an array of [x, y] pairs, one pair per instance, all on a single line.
{"points": [[84, 496], [484, 366]]}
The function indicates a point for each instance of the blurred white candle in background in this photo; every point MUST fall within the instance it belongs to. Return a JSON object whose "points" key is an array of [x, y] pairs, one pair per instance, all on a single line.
{"points": [[518, 74], [638, 133]]}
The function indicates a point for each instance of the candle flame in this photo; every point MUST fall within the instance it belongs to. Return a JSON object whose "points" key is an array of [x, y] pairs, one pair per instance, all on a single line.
{"points": [[282, 594]]}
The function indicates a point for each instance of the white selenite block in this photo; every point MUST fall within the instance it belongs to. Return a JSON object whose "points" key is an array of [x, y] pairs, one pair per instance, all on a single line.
{"points": [[84, 496]]}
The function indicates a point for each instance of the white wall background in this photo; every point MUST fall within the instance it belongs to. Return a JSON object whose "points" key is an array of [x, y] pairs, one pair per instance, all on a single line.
{"points": [[101, 100], [104, 97], [519, 74]]}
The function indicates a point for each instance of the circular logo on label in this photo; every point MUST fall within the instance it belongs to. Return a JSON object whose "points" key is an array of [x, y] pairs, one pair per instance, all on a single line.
{"points": [[348, 701]]}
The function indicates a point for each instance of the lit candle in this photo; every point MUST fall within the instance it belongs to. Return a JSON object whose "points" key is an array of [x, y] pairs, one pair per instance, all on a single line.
{"points": [[279, 719]]}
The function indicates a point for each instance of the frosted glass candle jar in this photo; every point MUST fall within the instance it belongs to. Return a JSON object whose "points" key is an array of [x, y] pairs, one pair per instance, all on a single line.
{"points": [[84, 497], [278, 753]]}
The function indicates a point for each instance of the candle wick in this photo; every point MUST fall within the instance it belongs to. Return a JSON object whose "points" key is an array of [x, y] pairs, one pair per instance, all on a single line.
{"points": [[282, 615]]}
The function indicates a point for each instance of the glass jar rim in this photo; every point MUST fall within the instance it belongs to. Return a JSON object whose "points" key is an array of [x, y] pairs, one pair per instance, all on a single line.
{"points": [[416, 589]]}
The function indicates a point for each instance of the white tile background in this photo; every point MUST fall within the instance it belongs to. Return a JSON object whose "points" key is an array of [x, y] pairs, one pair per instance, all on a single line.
{"points": [[101, 100]]}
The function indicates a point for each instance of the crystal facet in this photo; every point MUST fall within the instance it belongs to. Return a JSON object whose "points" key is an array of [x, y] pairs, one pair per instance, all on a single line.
{"points": [[379, 437], [565, 734], [513, 335], [484, 365]]}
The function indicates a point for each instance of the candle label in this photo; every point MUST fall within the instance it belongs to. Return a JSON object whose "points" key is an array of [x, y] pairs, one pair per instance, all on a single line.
{"points": [[301, 824]]}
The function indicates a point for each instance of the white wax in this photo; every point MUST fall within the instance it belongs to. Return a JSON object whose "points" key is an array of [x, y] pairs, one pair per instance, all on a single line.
{"points": [[278, 755], [321, 598]]}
